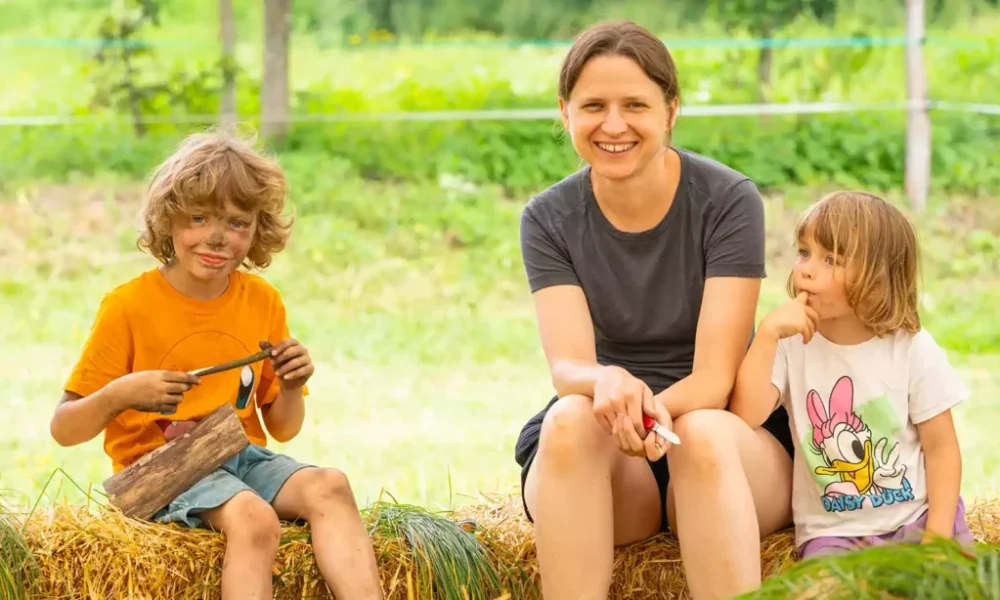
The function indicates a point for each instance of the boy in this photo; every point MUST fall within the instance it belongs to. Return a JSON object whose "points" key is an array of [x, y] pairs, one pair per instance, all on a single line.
{"points": [[213, 206]]}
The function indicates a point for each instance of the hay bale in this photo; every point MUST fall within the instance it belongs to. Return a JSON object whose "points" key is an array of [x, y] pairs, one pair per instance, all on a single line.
{"points": [[99, 554]]}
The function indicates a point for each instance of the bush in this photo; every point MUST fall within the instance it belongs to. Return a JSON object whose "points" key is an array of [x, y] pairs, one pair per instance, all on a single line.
{"points": [[525, 156]]}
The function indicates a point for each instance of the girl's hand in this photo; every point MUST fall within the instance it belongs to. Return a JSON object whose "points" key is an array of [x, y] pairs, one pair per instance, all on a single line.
{"points": [[292, 364], [791, 318]]}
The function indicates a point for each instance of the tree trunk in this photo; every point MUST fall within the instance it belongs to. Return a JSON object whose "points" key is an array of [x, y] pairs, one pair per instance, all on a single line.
{"points": [[133, 95], [274, 84], [156, 479], [764, 61], [918, 124], [227, 32]]}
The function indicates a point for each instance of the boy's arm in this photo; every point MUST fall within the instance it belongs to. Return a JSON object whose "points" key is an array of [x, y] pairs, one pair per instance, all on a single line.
{"points": [[78, 419], [292, 367], [283, 417], [754, 395], [943, 460]]}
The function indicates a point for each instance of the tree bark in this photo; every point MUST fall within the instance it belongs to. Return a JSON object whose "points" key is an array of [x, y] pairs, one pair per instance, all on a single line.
{"points": [[156, 479], [764, 61], [227, 32], [274, 83], [918, 124]]}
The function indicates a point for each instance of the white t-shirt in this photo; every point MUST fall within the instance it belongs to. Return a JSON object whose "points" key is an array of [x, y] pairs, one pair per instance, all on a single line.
{"points": [[859, 467]]}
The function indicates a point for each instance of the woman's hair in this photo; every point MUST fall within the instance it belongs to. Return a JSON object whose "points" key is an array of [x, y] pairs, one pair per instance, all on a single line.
{"points": [[879, 243], [204, 172], [622, 38]]}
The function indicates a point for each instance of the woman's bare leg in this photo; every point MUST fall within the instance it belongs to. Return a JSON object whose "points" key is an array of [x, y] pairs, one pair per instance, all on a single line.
{"points": [[585, 497], [729, 486]]}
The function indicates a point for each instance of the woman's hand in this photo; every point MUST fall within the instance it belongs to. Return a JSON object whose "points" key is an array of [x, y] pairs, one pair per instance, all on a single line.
{"points": [[619, 398], [647, 444]]}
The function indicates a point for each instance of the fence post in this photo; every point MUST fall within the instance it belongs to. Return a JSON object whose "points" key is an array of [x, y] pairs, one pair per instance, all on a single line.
{"points": [[918, 125]]}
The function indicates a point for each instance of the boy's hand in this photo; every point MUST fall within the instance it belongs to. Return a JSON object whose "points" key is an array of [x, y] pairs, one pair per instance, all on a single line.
{"points": [[153, 391], [791, 318], [292, 364]]}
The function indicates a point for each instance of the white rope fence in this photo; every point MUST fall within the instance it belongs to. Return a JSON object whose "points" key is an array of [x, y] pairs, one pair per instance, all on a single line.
{"points": [[524, 114]]}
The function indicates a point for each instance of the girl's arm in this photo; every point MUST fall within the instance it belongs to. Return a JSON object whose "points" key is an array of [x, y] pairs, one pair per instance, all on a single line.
{"points": [[754, 396], [943, 460]]}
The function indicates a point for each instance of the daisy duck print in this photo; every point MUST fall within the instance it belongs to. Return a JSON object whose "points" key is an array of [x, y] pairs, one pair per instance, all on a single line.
{"points": [[845, 443]]}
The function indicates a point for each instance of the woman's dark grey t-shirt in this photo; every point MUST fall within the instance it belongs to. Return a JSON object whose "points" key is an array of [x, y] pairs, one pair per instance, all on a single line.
{"points": [[644, 289]]}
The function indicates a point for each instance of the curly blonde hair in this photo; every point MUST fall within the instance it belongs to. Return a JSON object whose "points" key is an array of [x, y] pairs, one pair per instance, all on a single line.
{"points": [[205, 171], [877, 239]]}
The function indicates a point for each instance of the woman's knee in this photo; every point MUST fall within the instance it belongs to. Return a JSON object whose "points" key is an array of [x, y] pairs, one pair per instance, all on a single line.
{"points": [[252, 523], [708, 441], [570, 432]]}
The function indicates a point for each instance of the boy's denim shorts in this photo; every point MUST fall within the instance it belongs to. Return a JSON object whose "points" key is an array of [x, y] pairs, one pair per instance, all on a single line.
{"points": [[255, 469]]}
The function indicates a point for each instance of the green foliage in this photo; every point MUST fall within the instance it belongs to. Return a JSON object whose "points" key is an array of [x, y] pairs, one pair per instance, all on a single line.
{"points": [[763, 17], [120, 55], [130, 79], [942, 570], [526, 156], [864, 149]]}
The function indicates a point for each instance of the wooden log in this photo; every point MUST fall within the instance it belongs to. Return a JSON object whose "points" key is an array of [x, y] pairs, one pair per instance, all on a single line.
{"points": [[157, 478]]}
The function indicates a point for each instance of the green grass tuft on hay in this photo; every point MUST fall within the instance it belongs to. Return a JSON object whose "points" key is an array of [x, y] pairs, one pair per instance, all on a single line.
{"points": [[443, 553], [941, 570], [18, 569]]}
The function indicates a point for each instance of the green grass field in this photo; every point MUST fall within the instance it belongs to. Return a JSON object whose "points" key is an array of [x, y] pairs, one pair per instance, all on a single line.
{"points": [[411, 296], [416, 313]]}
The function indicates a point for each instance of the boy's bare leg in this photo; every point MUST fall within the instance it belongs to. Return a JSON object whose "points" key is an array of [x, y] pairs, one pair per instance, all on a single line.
{"points": [[343, 549], [252, 533]]}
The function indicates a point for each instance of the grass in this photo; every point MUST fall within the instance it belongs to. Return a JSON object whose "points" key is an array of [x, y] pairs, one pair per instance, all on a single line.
{"points": [[443, 553], [415, 310], [18, 568], [942, 570]]}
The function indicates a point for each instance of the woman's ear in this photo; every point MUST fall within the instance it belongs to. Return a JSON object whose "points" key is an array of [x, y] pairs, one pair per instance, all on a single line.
{"points": [[564, 113], [673, 108]]}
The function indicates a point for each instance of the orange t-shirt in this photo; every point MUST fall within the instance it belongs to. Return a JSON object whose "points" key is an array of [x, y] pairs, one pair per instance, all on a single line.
{"points": [[146, 324]]}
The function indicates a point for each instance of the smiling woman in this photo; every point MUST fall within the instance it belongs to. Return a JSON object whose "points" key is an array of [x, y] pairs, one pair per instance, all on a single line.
{"points": [[645, 268]]}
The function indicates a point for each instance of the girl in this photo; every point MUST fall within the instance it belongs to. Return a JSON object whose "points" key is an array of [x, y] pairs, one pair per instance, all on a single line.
{"points": [[868, 392]]}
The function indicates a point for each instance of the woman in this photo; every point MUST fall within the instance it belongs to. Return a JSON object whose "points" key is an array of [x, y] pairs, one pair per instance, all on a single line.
{"points": [[645, 267]]}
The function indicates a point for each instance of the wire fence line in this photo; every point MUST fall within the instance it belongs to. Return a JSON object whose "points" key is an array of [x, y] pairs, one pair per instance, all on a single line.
{"points": [[681, 43], [512, 114]]}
